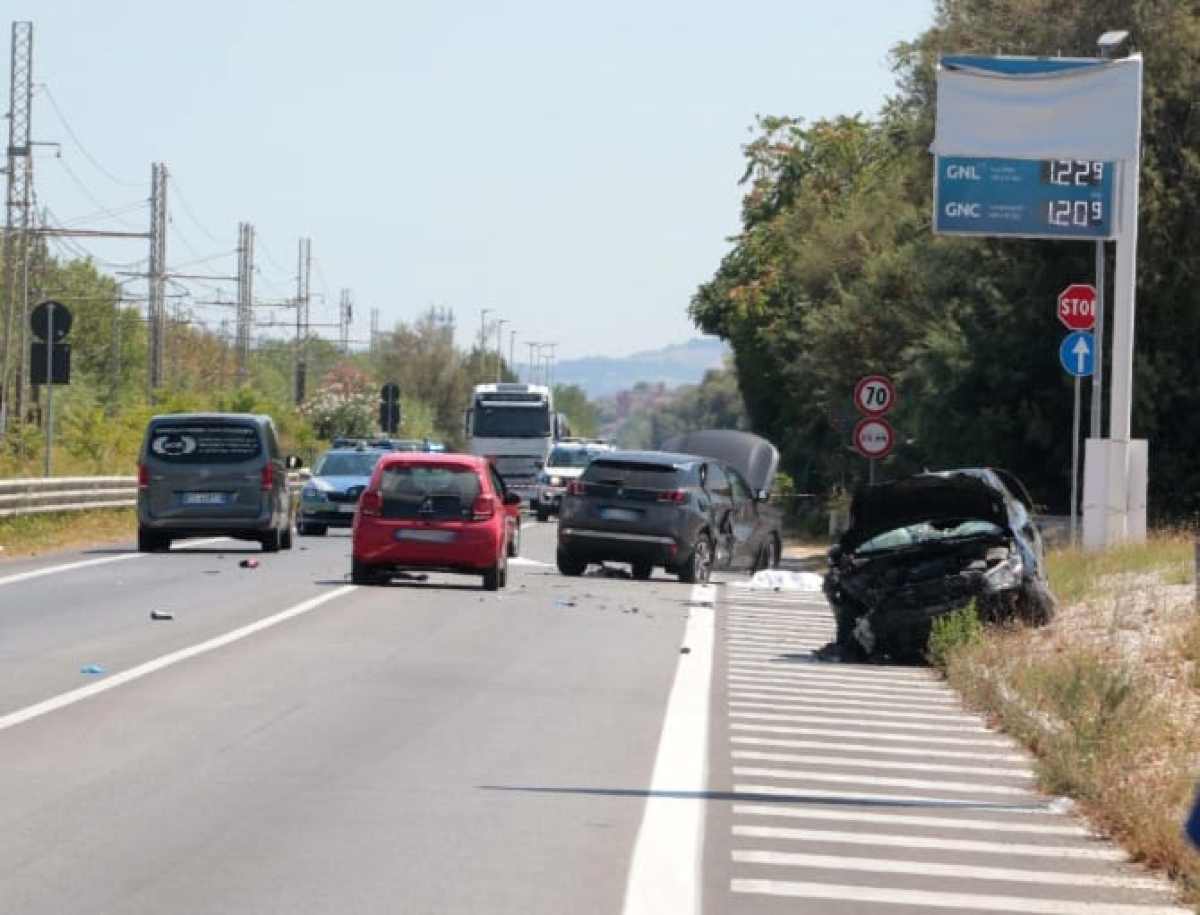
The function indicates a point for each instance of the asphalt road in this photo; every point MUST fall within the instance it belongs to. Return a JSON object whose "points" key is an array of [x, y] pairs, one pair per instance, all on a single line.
{"points": [[288, 743]]}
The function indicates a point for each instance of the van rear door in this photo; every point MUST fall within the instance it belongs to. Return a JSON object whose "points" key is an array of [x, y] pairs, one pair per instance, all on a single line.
{"points": [[207, 468]]}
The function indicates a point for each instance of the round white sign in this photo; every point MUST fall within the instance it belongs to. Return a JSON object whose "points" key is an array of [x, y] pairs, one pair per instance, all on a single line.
{"points": [[874, 395], [874, 438]]}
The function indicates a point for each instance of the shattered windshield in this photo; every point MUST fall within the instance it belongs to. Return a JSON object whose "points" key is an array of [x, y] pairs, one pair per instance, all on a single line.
{"points": [[926, 532]]}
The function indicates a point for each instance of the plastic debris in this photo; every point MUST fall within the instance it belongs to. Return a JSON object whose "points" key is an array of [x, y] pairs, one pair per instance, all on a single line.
{"points": [[778, 580], [161, 615], [91, 669], [249, 563]]}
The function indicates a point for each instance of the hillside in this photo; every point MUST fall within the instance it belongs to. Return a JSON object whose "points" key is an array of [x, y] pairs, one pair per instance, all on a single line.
{"points": [[677, 364]]}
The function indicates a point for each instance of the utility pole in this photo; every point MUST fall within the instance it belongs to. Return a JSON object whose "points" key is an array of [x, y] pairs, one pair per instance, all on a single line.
{"points": [[345, 316], [303, 277], [374, 330], [245, 298], [499, 349], [156, 274], [17, 218], [483, 313], [512, 355]]}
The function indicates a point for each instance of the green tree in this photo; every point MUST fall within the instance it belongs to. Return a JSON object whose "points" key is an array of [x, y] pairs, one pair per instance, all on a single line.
{"points": [[582, 415]]}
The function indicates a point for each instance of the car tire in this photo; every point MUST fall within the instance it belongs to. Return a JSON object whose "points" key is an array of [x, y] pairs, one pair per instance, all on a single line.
{"points": [[361, 573], [542, 515], [152, 541], [491, 578], [271, 541], [643, 570], [514, 545], [568, 564], [287, 539], [312, 530], [697, 568]]}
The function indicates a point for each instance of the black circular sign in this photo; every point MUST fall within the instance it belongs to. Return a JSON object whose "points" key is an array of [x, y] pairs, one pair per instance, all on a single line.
{"points": [[39, 320]]}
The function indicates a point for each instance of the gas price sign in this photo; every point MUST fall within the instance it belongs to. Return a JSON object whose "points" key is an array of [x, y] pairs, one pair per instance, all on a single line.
{"points": [[1056, 198]]}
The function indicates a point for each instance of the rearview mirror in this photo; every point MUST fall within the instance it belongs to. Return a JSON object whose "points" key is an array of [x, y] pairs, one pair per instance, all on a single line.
{"points": [[292, 462], [512, 498]]}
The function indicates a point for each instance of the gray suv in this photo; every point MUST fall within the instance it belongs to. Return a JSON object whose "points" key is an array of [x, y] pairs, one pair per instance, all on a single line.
{"points": [[213, 474]]}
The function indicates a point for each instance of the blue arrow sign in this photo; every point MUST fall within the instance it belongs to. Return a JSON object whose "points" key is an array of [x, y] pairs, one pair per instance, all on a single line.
{"points": [[1077, 353]]}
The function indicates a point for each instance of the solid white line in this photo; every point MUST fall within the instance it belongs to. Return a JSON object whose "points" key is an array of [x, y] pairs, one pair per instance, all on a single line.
{"points": [[900, 819], [871, 735], [886, 726], [789, 694], [1077, 853], [799, 705], [905, 765], [832, 795], [952, 871], [766, 682], [12, 719], [872, 748], [840, 778], [664, 873], [971, 902], [100, 561]]}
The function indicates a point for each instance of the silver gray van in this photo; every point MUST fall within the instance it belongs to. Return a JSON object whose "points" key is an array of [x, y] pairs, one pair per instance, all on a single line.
{"points": [[205, 474]]}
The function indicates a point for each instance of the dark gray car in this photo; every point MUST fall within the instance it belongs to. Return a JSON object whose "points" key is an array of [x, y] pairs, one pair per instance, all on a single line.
{"points": [[685, 513], [213, 474]]}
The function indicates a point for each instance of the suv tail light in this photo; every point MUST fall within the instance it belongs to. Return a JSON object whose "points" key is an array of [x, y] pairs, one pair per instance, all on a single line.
{"points": [[483, 508], [675, 496], [576, 488], [268, 477], [143, 476], [370, 502]]}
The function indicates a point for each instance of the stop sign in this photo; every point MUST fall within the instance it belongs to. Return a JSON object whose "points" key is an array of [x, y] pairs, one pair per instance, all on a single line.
{"points": [[1077, 306]]}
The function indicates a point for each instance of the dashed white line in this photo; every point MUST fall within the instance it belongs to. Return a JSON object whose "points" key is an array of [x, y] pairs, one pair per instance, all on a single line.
{"points": [[904, 765], [99, 561], [738, 700], [882, 781], [900, 819], [865, 726], [923, 739], [764, 682], [750, 792], [790, 693], [841, 746]]}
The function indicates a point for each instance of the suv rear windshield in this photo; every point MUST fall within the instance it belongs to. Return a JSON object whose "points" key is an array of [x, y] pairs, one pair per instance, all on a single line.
{"points": [[636, 474], [204, 442], [445, 491], [347, 464]]}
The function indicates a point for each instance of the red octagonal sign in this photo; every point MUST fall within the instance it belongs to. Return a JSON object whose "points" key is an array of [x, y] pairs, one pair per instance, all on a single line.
{"points": [[1077, 306]]}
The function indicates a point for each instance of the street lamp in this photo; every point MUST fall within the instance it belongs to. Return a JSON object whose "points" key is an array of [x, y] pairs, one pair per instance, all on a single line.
{"points": [[500, 349]]}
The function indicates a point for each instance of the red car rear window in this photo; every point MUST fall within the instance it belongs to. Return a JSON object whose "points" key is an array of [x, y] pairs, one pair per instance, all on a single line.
{"points": [[428, 491]]}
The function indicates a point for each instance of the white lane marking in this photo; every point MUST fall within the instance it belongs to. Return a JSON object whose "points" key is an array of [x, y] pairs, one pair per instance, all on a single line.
{"points": [[99, 561], [810, 674], [872, 735], [792, 694], [12, 719], [867, 726], [523, 561], [763, 682], [871, 748], [800, 705], [971, 902], [929, 869], [664, 873], [839, 778], [832, 795], [1078, 853], [859, 762], [799, 615], [901, 819]]}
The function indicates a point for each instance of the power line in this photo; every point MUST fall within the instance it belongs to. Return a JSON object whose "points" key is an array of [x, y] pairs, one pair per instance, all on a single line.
{"points": [[191, 214], [79, 143], [79, 183]]}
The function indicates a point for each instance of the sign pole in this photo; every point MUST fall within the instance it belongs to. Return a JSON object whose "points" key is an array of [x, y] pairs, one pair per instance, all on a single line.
{"points": [[1075, 467], [49, 387], [1095, 430], [870, 471]]}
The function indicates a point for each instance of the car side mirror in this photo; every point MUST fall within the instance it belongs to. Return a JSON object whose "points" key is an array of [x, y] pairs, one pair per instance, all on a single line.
{"points": [[292, 462], [512, 498]]}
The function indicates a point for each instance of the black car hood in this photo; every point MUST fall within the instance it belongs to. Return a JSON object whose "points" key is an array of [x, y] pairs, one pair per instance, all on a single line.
{"points": [[928, 497], [752, 456]]}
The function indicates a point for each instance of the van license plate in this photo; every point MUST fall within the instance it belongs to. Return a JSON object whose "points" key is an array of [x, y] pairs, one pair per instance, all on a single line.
{"points": [[425, 536], [204, 498]]}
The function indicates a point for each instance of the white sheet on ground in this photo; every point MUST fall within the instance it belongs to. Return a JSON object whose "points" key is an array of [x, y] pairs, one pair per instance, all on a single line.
{"points": [[778, 580]]}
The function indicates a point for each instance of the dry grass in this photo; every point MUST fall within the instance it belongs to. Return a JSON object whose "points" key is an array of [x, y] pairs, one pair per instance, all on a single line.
{"points": [[1108, 697], [30, 535]]}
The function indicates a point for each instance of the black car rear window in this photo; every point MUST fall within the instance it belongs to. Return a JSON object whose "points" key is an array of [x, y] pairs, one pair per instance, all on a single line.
{"points": [[635, 474], [444, 491], [205, 442]]}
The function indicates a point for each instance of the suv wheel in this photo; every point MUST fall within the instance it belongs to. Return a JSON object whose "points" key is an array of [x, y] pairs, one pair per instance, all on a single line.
{"points": [[361, 573], [152, 541], [287, 538], [568, 564], [271, 541], [642, 570], [698, 566]]}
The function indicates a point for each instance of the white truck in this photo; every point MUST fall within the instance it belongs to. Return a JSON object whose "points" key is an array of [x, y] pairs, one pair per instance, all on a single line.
{"points": [[514, 426]]}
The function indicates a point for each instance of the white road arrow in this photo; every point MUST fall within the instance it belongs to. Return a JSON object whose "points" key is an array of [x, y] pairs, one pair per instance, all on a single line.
{"points": [[1081, 351]]}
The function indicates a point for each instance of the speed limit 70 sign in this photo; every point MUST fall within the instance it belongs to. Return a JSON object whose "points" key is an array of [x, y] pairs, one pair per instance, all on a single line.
{"points": [[874, 395]]}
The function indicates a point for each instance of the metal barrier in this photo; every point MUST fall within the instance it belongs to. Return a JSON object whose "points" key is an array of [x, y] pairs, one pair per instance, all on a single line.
{"points": [[37, 495]]}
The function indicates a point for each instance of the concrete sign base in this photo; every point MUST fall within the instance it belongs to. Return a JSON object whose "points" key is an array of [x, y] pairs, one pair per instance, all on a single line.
{"points": [[1114, 492]]}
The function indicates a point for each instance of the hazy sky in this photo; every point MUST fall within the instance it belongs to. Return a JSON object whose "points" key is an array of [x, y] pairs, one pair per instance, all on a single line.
{"points": [[572, 167]]}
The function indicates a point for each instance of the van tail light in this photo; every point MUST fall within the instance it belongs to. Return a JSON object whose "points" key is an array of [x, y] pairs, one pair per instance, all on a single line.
{"points": [[370, 503], [143, 476], [483, 508], [576, 488], [268, 477], [674, 496]]}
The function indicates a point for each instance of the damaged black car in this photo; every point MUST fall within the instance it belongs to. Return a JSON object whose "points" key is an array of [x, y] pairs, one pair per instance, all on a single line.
{"points": [[924, 546]]}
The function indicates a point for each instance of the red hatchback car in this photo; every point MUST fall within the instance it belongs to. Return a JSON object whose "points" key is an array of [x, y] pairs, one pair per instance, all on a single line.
{"points": [[436, 513]]}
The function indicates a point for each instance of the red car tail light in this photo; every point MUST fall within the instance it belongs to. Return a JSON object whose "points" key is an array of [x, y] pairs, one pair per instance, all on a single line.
{"points": [[268, 476], [143, 476], [675, 496], [370, 502], [483, 508], [576, 488]]}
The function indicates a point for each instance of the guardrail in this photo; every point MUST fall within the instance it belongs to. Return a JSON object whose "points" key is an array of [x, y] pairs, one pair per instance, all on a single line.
{"points": [[37, 495]]}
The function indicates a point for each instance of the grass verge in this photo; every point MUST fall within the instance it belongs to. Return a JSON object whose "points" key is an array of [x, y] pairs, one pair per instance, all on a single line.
{"points": [[30, 535], [1107, 698]]}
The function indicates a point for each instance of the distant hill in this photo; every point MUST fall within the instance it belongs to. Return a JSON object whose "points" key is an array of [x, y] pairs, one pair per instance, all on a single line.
{"points": [[679, 363]]}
